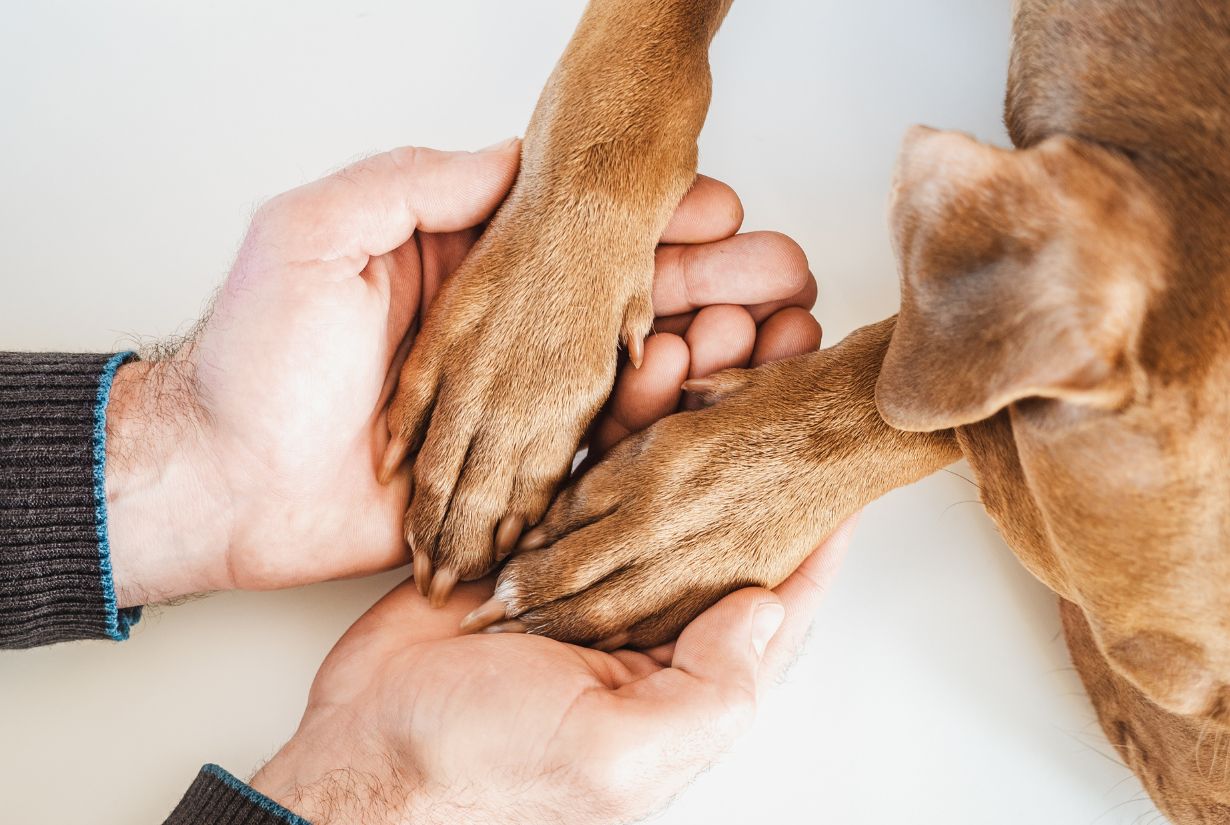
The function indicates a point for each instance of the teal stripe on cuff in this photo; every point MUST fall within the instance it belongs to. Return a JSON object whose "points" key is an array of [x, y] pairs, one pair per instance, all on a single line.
{"points": [[119, 622], [254, 796]]}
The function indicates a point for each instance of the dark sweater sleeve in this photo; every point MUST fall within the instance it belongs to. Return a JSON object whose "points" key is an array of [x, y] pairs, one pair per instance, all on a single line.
{"points": [[55, 565], [217, 798]]}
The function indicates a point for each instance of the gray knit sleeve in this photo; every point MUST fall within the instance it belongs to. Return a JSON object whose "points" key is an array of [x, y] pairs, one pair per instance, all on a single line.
{"points": [[217, 798], [55, 567]]}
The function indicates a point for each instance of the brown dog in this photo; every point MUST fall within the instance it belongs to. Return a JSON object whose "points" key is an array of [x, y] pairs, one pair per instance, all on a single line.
{"points": [[1064, 325]]}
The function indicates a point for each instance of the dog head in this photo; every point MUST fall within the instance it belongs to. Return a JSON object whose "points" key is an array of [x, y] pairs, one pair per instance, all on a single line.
{"points": [[1084, 296]]}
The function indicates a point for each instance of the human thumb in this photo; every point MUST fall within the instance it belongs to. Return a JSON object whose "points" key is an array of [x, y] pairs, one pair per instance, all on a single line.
{"points": [[723, 647], [374, 206]]}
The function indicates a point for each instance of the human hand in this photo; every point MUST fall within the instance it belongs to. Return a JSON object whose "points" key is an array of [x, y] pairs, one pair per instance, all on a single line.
{"points": [[409, 723], [248, 457]]}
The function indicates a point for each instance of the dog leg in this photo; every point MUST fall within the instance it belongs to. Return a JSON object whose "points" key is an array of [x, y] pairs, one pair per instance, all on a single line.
{"points": [[519, 350], [706, 502]]}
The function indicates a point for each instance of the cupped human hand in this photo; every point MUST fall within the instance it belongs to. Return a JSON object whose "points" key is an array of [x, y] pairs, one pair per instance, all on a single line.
{"points": [[248, 456], [407, 722]]}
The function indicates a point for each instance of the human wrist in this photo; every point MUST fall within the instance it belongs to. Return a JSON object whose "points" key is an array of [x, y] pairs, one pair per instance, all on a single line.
{"points": [[328, 779], [329, 776], [168, 524]]}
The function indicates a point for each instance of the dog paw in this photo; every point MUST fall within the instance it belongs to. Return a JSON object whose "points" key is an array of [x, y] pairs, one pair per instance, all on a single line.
{"points": [[673, 519], [514, 360]]}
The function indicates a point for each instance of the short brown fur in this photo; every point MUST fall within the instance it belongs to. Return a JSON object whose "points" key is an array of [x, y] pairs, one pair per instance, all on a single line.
{"points": [[1064, 325]]}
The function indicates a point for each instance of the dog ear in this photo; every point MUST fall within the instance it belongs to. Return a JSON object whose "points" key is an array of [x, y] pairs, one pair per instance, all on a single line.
{"points": [[1023, 274]]}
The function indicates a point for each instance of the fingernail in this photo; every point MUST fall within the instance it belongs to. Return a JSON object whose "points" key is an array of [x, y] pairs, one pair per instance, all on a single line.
{"points": [[767, 619], [501, 146]]}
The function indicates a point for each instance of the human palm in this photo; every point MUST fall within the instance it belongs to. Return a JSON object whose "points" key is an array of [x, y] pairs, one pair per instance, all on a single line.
{"points": [[294, 373], [435, 727]]}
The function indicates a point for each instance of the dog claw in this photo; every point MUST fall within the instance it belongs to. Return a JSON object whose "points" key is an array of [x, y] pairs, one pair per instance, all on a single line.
{"points": [[506, 536], [422, 573], [510, 626], [636, 351], [488, 613], [533, 540], [394, 455], [613, 643], [699, 386], [442, 585]]}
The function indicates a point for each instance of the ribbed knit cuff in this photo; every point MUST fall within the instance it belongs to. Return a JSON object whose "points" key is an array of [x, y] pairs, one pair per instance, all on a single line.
{"points": [[55, 563], [217, 798]]}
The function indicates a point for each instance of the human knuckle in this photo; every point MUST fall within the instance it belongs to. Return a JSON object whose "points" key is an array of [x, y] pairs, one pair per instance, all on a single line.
{"points": [[272, 217]]}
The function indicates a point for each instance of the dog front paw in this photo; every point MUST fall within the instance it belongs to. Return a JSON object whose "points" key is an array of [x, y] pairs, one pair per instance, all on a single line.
{"points": [[514, 361], [673, 519]]}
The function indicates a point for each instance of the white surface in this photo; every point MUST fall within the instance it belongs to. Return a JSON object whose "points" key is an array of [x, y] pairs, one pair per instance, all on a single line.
{"points": [[135, 139]]}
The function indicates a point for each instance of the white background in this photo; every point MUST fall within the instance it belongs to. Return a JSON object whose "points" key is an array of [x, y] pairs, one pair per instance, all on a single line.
{"points": [[135, 140]]}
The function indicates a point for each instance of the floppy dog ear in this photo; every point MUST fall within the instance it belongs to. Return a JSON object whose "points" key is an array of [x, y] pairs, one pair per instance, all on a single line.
{"points": [[1023, 274]]}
